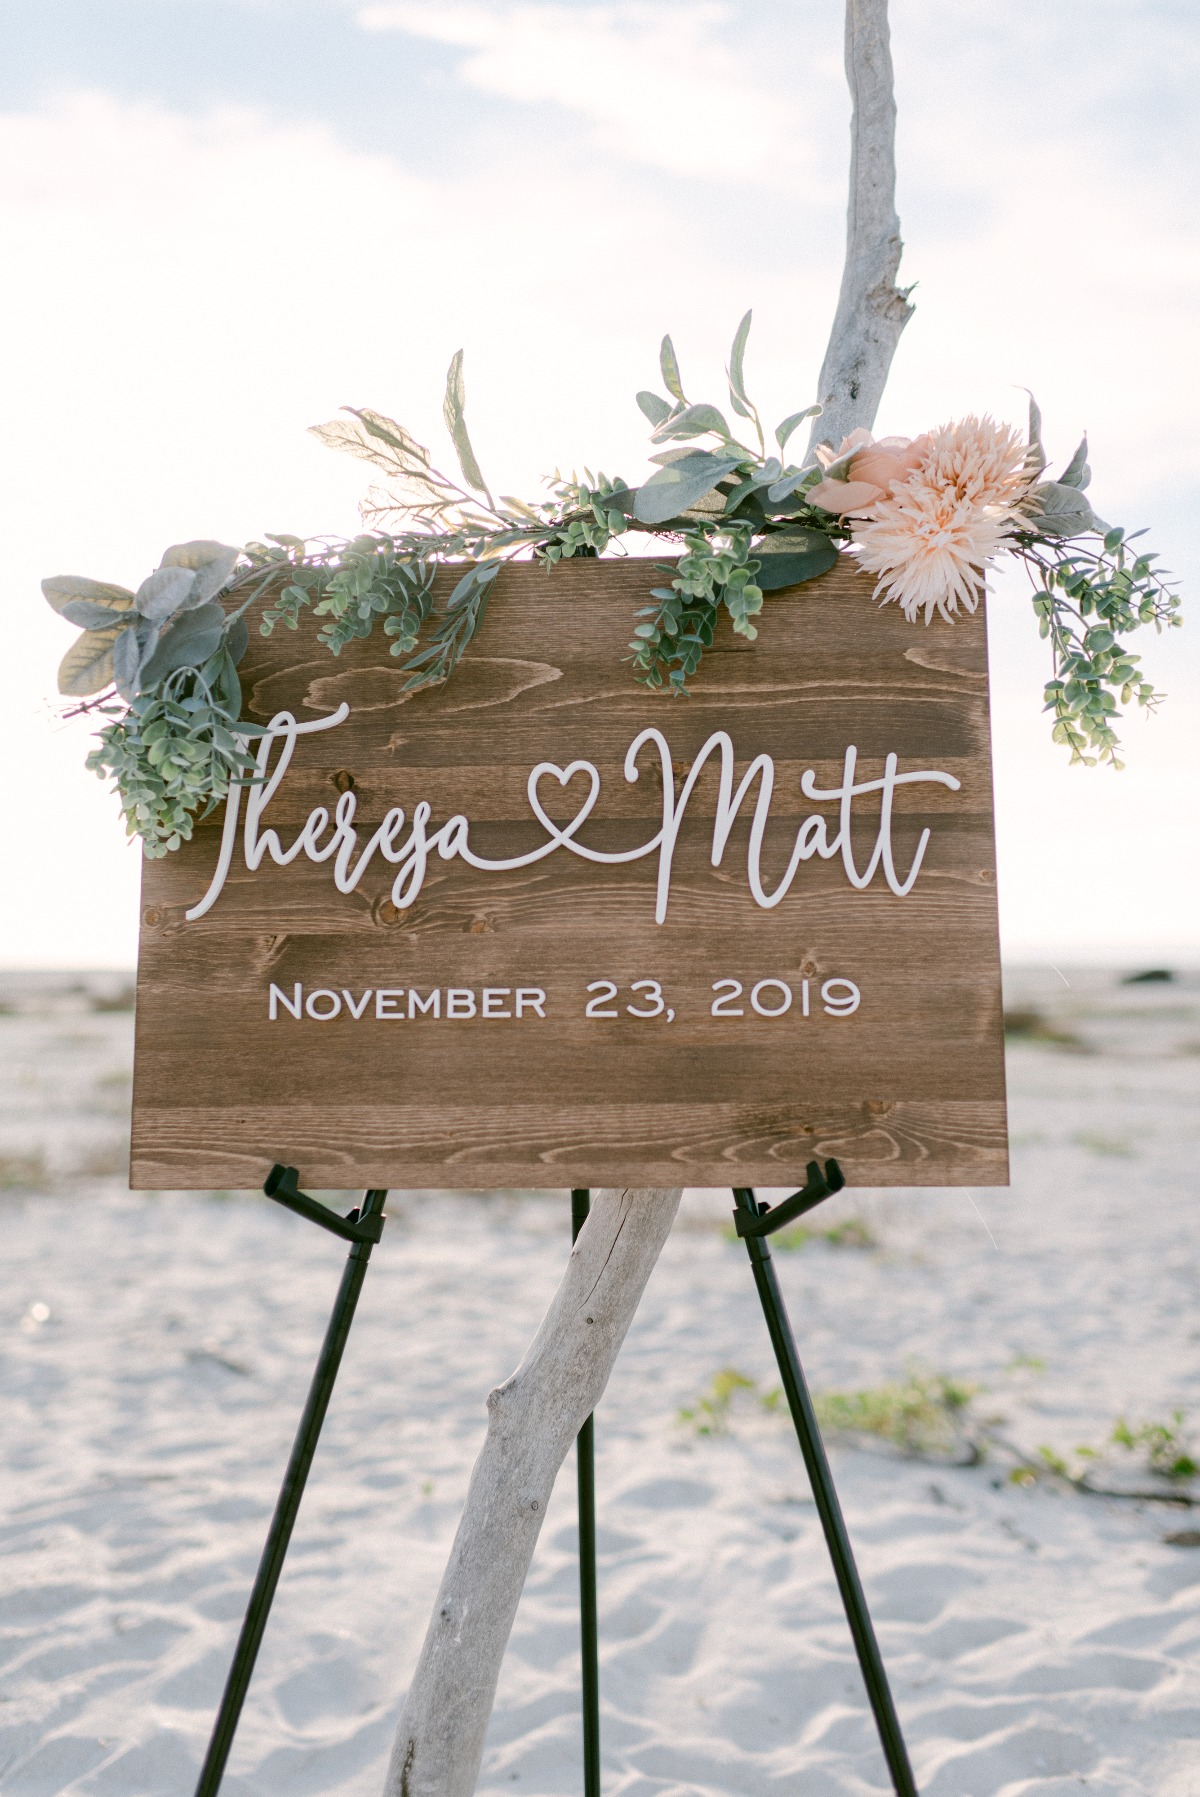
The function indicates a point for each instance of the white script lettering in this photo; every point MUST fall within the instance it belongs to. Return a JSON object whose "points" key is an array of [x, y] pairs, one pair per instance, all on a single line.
{"points": [[410, 854]]}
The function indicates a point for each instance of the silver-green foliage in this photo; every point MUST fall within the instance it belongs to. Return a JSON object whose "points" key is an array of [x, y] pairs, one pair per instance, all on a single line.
{"points": [[1091, 590], [740, 518]]}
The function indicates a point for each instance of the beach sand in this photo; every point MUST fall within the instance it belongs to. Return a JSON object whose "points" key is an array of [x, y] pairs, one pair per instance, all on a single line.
{"points": [[155, 1352]]}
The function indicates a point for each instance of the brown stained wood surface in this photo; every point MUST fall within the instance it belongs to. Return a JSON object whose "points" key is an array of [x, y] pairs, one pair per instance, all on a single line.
{"points": [[908, 1090]]}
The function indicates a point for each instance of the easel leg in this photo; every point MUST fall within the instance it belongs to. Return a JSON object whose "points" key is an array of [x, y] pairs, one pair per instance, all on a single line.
{"points": [[828, 1508], [282, 1523], [588, 1621]]}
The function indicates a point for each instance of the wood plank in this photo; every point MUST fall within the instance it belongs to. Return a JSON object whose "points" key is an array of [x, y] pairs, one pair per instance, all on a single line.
{"points": [[910, 1084]]}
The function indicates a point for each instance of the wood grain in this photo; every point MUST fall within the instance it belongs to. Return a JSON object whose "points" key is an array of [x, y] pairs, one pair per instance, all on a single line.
{"points": [[908, 1090]]}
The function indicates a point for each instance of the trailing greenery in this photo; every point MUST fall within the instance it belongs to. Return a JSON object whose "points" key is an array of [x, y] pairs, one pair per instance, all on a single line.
{"points": [[161, 661]]}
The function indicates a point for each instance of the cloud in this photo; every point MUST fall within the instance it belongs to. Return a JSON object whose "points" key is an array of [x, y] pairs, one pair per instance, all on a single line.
{"points": [[187, 291], [659, 81]]}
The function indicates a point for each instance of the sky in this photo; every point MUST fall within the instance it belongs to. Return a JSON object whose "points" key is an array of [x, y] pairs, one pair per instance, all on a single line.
{"points": [[222, 219]]}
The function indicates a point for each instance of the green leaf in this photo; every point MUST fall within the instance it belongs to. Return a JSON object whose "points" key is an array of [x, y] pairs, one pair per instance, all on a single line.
{"points": [[454, 412], [1060, 511], [653, 407], [62, 590], [1077, 473], [735, 373], [165, 592], [186, 643], [783, 431], [212, 563], [87, 667], [692, 421], [670, 371], [680, 484], [88, 616], [794, 481], [787, 561]]}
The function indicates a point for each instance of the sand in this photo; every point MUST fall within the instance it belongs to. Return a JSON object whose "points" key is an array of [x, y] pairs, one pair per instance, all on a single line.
{"points": [[155, 1351]]}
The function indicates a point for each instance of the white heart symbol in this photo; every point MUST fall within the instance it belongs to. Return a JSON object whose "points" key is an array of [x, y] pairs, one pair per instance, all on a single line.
{"points": [[564, 776]]}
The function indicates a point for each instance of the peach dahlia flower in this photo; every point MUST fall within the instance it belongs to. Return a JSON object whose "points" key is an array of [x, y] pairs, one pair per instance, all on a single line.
{"points": [[932, 537]]}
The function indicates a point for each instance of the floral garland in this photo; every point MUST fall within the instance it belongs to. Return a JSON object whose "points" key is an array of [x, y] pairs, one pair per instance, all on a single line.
{"points": [[927, 517]]}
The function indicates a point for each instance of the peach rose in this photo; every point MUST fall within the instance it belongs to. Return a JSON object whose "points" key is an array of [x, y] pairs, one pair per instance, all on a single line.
{"points": [[870, 474]]}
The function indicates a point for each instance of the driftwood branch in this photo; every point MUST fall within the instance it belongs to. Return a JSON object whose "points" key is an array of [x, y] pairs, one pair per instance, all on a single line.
{"points": [[533, 1418], [871, 311]]}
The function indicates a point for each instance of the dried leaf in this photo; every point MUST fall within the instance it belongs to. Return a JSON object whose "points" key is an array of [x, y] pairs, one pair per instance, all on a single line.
{"points": [[62, 589], [454, 412], [87, 667]]}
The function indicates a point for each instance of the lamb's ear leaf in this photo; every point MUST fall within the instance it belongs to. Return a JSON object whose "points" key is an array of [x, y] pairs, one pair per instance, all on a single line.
{"points": [[87, 615], [454, 409], [692, 421], [212, 563], [735, 373], [87, 666], [186, 643], [165, 592], [680, 484], [653, 407], [62, 589], [788, 560], [1077, 473], [783, 431], [669, 364]]}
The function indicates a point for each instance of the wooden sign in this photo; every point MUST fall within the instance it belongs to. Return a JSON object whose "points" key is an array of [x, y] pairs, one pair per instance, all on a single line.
{"points": [[541, 927]]}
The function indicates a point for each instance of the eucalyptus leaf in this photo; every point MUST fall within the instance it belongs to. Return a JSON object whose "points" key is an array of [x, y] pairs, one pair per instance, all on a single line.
{"points": [[454, 412], [680, 484], [1077, 473], [62, 589], [653, 407], [87, 667], [669, 365], [788, 560]]}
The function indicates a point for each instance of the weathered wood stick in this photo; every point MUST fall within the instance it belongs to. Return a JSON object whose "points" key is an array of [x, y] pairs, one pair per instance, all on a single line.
{"points": [[871, 311], [533, 1418]]}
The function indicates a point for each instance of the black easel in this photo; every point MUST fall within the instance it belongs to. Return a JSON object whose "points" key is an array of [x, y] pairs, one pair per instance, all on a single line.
{"points": [[362, 1229], [754, 1223]]}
